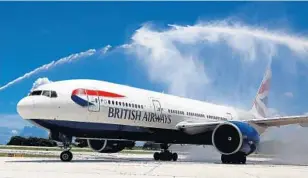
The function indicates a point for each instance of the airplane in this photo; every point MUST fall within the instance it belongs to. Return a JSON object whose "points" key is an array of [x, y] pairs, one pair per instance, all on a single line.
{"points": [[111, 116]]}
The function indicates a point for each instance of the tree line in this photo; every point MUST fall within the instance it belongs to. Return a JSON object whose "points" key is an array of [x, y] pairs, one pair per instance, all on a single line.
{"points": [[31, 141], [82, 143]]}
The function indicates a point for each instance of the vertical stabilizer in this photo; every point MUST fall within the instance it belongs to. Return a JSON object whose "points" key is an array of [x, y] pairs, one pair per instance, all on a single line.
{"points": [[259, 106]]}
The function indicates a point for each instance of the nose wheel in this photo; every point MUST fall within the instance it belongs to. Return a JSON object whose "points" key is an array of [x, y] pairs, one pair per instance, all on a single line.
{"points": [[165, 154], [66, 156]]}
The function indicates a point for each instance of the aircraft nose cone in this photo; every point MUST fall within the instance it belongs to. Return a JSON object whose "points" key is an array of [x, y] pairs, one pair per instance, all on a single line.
{"points": [[25, 107]]}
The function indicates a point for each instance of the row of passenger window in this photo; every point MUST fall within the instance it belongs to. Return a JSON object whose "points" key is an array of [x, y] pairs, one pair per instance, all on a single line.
{"points": [[48, 93], [216, 117], [195, 114], [124, 104], [175, 111], [183, 113]]}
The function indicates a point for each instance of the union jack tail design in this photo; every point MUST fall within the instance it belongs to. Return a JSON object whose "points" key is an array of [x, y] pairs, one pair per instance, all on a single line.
{"points": [[259, 106]]}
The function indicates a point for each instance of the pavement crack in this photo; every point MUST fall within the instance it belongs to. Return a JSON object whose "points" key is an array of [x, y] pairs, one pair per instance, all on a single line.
{"points": [[151, 170]]}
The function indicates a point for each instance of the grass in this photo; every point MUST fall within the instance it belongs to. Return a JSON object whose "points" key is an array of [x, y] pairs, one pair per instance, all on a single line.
{"points": [[40, 148], [26, 155], [74, 149]]}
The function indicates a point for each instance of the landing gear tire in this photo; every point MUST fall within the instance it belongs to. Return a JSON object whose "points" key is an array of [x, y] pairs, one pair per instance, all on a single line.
{"points": [[156, 156], [165, 154], [174, 156], [233, 159], [66, 156]]}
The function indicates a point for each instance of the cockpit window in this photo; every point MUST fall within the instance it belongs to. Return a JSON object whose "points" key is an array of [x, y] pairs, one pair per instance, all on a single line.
{"points": [[46, 93], [36, 92], [53, 94]]}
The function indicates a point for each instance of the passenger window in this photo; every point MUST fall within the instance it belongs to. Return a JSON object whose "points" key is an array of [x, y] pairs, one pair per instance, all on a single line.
{"points": [[108, 101], [129, 104], [116, 102], [120, 103], [46, 93], [141, 106], [112, 102]]}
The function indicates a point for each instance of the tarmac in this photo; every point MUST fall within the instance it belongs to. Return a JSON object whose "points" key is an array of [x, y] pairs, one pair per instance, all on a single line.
{"points": [[119, 165]]}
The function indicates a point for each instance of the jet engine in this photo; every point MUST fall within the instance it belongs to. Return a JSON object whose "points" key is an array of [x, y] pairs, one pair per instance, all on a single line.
{"points": [[232, 137], [109, 146]]}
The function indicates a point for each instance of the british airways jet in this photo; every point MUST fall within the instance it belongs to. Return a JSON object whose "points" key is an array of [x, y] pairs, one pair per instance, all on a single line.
{"points": [[111, 116]]}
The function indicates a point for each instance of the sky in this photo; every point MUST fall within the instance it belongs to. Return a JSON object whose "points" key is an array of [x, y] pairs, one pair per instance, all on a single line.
{"points": [[213, 51]]}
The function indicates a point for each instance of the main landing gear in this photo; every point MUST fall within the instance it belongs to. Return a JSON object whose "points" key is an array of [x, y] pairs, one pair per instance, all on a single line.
{"points": [[165, 154], [237, 158]]}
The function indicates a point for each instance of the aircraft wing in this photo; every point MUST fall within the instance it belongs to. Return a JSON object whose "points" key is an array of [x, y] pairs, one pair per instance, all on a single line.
{"points": [[200, 127], [280, 121]]}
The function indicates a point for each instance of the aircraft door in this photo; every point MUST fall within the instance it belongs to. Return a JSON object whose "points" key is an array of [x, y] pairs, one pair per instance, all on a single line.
{"points": [[229, 116], [157, 106], [93, 99]]}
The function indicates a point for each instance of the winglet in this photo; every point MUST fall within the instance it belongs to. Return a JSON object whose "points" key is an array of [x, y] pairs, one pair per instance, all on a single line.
{"points": [[260, 103]]}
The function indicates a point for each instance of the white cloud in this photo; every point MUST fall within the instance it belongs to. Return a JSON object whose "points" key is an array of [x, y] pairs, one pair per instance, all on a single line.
{"points": [[219, 61], [288, 94], [272, 112], [194, 61], [39, 82], [15, 132]]}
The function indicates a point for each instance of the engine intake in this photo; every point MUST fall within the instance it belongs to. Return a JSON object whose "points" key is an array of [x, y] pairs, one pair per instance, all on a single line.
{"points": [[232, 137]]}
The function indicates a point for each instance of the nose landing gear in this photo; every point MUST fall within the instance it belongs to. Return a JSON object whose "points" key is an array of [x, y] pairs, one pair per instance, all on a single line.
{"points": [[66, 155], [165, 154]]}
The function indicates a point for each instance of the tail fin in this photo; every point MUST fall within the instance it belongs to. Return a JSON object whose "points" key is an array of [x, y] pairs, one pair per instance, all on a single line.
{"points": [[259, 106]]}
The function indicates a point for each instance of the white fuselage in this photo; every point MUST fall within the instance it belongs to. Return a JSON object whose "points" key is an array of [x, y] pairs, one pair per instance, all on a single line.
{"points": [[120, 105]]}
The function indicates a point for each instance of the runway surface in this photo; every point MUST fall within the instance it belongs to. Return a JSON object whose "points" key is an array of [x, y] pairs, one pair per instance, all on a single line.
{"points": [[137, 166]]}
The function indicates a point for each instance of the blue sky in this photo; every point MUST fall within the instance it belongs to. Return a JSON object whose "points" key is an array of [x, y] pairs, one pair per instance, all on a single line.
{"points": [[35, 33]]}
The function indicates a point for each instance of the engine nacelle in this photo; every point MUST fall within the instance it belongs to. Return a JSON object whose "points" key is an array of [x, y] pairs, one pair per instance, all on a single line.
{"points": [[234, 136], [108, 146]]}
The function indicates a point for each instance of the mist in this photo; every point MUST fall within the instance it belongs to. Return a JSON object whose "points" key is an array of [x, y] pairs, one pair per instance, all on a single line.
{"points": [[197, 62]]}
